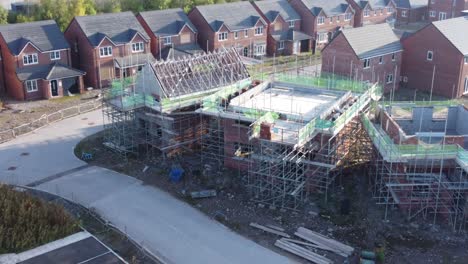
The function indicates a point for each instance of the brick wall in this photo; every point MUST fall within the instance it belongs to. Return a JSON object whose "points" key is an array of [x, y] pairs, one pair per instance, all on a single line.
{"points": [[411, 16], [376, 16], [452, 8], [447, 60]]}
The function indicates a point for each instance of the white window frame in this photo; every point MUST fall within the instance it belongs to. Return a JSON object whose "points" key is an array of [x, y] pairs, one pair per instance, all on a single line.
{"points": [[432, 13], [466, 59], [322, 37], [431, 53], [393, 57], [338, 19], [138, 47], [105, 51], [442, 14], [222, 36], [33, 86], [320, 20], [167, 40], [389, 10], [465, 91], [236, 34], [292, 23], [389, 78], [366, 12], [331, 20], [403, 13], [246, 33], [259, 50], [347, 17], [30, 59], [281, 45], [259, 31], [366, 63], [381, 60], [55, 55]]}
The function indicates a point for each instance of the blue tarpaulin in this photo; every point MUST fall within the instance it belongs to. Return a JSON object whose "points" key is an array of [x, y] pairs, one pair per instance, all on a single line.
{"points": [[176, 174]]}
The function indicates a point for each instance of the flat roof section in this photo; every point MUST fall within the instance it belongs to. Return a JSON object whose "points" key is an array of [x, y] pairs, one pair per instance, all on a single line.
{"points": [[301, 104]]}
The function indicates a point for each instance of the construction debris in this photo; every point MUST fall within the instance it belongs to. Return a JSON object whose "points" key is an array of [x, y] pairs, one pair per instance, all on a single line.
{"points": [[276, 228], [203, 194], [302, 252], [323, 241], [269, 230]]}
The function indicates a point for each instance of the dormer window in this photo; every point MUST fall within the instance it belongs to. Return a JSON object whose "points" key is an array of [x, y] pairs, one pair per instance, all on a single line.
{"points": [[55, 55], [105, 51], [291, 23], [222, 36], [138, 47], [167, 41], [320, 20], [258, 31], [30, 59]]}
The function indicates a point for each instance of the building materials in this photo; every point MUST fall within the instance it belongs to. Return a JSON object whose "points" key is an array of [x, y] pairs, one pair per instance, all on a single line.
{"points": [[269, 230], [203, 194], [302, 252], [307, 244], [276, 228], [322, 240]]}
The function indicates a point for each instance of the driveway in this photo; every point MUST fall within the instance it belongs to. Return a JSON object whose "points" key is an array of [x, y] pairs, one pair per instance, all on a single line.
{"points": [[167, 227]]}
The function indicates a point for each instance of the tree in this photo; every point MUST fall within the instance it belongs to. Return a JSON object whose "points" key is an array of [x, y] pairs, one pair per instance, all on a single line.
{"points": [[3, 15]]}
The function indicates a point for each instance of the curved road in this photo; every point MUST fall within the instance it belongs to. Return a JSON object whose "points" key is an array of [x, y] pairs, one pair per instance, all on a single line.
{"points": [[167, 227]]}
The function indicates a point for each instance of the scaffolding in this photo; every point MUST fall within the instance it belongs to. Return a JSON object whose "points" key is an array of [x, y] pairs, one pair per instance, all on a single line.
{"points": [[425, 180]]}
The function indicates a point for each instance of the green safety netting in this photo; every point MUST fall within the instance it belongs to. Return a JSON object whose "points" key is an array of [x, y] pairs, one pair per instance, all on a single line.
{"points": [[268, 117], [329, 81], [213, 101], [393, 152]]}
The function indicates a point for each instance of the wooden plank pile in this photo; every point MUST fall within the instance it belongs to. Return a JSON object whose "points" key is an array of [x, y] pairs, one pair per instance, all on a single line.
{"points": [[324, 242], [270, 230], [302, 252]]}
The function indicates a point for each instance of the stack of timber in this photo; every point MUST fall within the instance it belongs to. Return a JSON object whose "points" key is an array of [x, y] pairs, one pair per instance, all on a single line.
{"points": [[302, 252], [275, 230], [324, 242]]}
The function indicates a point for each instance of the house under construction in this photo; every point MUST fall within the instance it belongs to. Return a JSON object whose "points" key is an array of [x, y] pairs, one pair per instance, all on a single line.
{"points": [[289, 136], [421, 162]]}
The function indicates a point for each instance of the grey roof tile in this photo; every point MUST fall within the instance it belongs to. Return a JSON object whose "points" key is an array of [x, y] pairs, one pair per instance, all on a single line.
{"points": [[45, 35], [272, 8], [119, 27], [47, 72], [410, 3], [133, 60], [372, 40], [373, 3], [455, 31], [291, 35], [330, 7], [167, 22], [180, 51], [236, 16]]}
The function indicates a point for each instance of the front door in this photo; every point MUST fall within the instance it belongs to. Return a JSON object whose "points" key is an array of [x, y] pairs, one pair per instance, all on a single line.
{"points": [[54, 88], [246, 52]]}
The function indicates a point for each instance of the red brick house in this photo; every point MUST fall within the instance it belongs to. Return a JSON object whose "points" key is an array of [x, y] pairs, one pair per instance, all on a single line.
{"points": [[284, 24], [445, 9], [35, 62], [371, 54], [437, 57], [323, 19], [235, 24], [171, 32], [411, 11], [372, 11], [108, 46]]}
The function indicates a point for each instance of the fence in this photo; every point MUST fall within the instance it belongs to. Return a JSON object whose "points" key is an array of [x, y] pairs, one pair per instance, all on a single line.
{"points": [[46, 119]]}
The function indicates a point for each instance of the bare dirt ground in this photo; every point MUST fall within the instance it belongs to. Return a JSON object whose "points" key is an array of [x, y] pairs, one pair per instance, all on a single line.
{"points": [[363, 227], [14, 113]]}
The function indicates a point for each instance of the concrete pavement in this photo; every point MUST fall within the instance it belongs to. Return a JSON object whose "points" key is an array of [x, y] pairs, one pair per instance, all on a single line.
{"points": [[161, 223]]}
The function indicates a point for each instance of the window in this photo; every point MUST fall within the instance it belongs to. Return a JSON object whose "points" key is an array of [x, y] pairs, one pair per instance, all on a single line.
{"points": [[246, 33], [432, 13], [291, 23], [222, 36], [31, 86], [381, 60], [366, 13], [322, 37], [393, 57], [430, 55], [403, 13], [258, 31], [389, 78], [167, 41], [432, 1], [375, 13], [338, 19], [442, 15], [236, 35], [466, 59], [381, 12], [30, 59], [320, 20], [137, 47], [105, 51], [55, 55], [260, 50], [347, 16], [389, 10], [281, 45], [366, 63], [466, 85], [331, 20]]}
